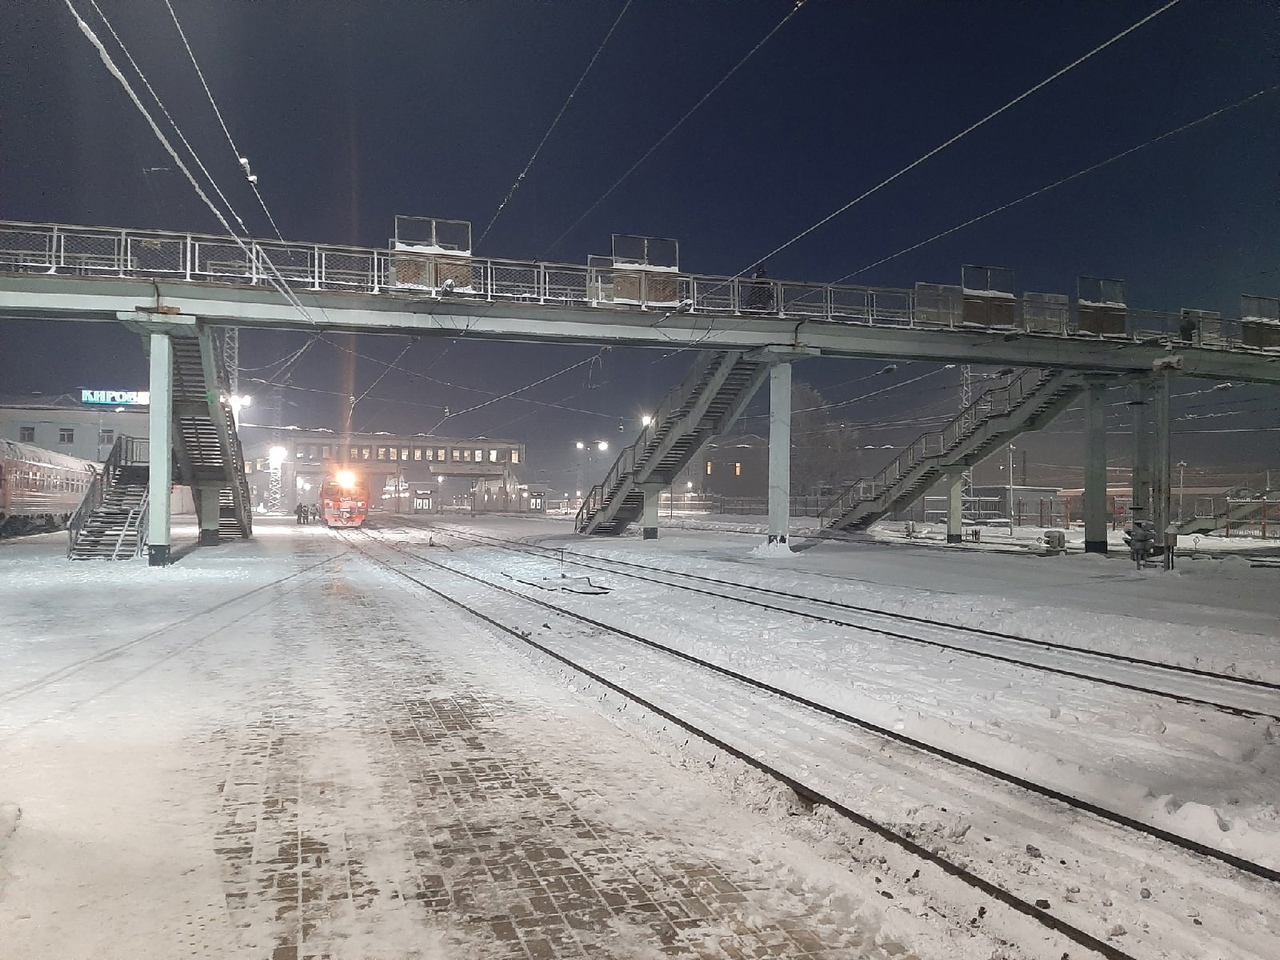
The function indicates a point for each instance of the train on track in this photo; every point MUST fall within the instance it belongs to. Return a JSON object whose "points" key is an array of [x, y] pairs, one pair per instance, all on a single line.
{"points": [[344, 499], [39, 489]]}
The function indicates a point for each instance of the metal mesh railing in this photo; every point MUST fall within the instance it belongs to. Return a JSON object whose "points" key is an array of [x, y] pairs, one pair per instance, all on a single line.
{"points": [[97, 251]]}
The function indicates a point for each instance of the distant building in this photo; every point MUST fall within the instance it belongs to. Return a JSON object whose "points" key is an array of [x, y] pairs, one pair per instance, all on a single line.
{"points": [[395, 466], [65, 423]]}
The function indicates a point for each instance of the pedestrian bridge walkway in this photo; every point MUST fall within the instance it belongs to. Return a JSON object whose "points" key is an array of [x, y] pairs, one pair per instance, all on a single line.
{"points": [[100, 273]]}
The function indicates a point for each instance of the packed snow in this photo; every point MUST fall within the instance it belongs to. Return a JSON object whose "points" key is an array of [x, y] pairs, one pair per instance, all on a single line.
{"points": [[147, 715]]}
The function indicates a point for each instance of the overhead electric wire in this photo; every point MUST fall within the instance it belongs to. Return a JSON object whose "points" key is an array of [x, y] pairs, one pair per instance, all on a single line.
{"points": [[114, 70], [1065, 180], [513, 393], [663, 139], [538, 149], [959, 136], [213, 103], [165, 110]]}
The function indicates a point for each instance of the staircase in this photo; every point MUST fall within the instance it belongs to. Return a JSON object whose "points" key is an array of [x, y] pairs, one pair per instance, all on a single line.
{"points": [[111, 522], [207, 453], [1238, 510], [1028, 402], [704, 405]]}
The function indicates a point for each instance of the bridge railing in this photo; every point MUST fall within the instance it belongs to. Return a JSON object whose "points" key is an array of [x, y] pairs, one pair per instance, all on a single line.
{"points": [[154, 254]]}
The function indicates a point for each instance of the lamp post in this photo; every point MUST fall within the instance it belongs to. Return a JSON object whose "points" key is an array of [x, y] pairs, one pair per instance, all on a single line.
{"points": [[1182, 466], [440, 497]]}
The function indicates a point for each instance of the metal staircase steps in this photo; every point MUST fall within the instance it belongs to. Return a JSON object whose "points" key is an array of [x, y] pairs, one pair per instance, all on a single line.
{"points": [[1029, 402], [706, 404]]}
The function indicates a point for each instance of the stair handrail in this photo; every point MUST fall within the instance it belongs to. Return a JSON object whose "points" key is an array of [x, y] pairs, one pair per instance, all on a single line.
{"points": [[130, 523], [995, 402], [101, 482], [626, 461]]}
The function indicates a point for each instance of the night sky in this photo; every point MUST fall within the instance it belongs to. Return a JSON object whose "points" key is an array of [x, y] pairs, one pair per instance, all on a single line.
{"points": [[353, 112]]}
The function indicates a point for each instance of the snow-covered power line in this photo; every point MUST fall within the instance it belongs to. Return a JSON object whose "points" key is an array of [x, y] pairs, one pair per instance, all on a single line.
{"points": [[538, 149], [172, 122], [273, 275], [959, 136], [1065, 180], [240, 158], [663, 139]]}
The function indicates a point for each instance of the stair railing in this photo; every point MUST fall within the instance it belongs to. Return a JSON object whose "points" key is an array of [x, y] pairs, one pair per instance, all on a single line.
{"points": [[126, 451], [627, 459], [995, 402], [131, 523]]}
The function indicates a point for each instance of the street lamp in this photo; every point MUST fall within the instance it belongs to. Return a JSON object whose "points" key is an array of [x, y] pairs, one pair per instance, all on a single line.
{"points": [[646, 420]]}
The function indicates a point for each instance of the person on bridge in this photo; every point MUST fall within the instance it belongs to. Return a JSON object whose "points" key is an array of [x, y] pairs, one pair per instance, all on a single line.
{"points": [[759, 291]]}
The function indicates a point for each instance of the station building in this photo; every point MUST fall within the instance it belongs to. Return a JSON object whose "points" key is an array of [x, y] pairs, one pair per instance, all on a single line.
{"points": [[83, 425], [405, 473]]}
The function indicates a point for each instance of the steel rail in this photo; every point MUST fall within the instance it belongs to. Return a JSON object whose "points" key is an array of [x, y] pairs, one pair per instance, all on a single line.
{"points": [[949, 867], [1053, 646], [1097, 810]]}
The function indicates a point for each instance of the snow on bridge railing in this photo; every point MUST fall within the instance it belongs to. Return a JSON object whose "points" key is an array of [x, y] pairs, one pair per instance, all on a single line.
{"points": [[68, 250]]}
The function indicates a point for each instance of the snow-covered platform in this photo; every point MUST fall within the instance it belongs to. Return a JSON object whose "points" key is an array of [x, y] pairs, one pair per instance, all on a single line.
{"points": [[283, 749], [275, 750]]}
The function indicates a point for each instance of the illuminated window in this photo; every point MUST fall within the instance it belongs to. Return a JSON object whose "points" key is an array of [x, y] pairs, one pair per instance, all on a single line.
{"points": [[479, 456], [66, 435], [515, 456], [300, 451], [466, 455], [311, 452], [417, 453], [457, 454], [440, 454], [365, 452], [493, 456], [393, 454], [708, 468], [404, 453], [737, 469], [382, 453], [26, 434]]}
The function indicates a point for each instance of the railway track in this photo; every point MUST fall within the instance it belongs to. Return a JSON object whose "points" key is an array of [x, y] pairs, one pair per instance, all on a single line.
{"points": [[1240, 696], [1023, 812]]}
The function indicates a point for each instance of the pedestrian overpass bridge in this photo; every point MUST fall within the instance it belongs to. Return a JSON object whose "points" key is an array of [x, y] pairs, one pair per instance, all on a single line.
{"points": [[177, 287]]}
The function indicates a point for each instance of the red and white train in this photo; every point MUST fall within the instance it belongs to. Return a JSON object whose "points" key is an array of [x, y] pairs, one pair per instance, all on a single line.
{"points": [[39, 489], [344, 499]]}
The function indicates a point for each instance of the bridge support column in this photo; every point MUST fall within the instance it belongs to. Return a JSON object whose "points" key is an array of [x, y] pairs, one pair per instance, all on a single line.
{"points": [[160, 461], [207, 511], [652, 495], [1161, 463], [1140, 408], [779, 452], [955, 509], [1095, 468]]}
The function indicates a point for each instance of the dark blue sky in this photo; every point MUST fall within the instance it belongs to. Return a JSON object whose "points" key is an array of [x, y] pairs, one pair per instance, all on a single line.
{"points": [[352, 112]]}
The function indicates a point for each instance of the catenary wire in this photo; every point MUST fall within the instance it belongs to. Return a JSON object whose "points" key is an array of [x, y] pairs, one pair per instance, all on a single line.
{"points": [[963, 133], [538, 149], [276, 280], [1065, 180], [213, 103], [663, 139]]}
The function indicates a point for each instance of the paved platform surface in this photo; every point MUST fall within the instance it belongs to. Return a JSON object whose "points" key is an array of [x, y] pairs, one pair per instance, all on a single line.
{"points": [[276, 750]]}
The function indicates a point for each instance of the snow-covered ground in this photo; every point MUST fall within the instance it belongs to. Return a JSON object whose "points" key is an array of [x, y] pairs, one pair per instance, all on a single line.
{"points": [[279, 749]]}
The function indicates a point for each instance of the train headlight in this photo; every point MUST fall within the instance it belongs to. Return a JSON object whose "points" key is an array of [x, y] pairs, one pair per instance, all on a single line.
{"points": [[346, 479]]}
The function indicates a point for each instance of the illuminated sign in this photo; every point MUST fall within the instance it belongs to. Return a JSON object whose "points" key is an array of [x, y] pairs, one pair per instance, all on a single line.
{"points": [[116, 398]]}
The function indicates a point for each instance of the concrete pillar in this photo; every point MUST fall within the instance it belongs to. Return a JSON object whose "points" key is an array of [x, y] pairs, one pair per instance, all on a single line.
{"points": [[779, 452], [652, 495], [1095, 468], [160, 461], [955, 509], [1161, 466], [207, 511]]}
